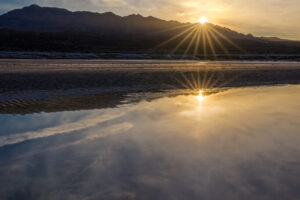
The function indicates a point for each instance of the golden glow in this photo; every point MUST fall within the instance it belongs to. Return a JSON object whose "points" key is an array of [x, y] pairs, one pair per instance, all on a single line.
{"points": [[200, 41], [200, 96], [205, 40], [203, 20]]}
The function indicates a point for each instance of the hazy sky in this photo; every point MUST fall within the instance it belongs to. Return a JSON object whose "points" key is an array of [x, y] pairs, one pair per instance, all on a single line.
{"points": [[279, 18]]}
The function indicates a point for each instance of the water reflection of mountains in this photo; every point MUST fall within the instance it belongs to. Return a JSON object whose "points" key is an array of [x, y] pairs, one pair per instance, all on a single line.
{"points": [[34, 92], [59, 103], [62, 103]]}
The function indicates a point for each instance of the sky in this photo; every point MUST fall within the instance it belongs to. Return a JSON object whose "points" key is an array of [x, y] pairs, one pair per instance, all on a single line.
{"points": [[278, 18]]}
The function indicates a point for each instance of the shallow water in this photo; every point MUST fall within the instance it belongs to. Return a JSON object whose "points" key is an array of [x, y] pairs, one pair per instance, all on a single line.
{"points": [[237, 144]]}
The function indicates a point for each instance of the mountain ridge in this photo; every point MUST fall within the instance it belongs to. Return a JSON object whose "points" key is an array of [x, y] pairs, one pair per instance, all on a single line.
{"points": [[35, 28], [43, 12], [36, 18]]}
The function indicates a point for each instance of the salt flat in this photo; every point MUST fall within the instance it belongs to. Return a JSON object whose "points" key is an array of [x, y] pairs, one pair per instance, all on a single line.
{"points": [[44, 65]]}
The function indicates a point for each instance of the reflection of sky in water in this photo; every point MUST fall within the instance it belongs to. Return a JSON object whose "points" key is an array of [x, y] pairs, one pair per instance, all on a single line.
{"points": [[238, 144]]}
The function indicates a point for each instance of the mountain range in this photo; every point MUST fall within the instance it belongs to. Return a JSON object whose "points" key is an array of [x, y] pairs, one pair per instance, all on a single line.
{"points": [[36, 28]]}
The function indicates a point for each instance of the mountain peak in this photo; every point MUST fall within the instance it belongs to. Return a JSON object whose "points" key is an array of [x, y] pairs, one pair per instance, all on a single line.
{"points": [[109, 14], [37, 8], [134, 16], [33, 6]]}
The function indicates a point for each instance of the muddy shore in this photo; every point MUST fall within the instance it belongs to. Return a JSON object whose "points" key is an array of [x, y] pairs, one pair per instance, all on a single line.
{"points": [[20, 75], [42, 84]]}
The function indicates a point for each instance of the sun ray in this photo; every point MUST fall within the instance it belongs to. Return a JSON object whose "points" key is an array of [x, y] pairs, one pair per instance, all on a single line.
{"points": [[204, 79], [191, 43], [207, 84], [214, 83], [172, 28], [204, 44], [210, 44], [197, 41], [182, 41], [182, 83], [188, 81], [199, 78], [226, 39], [230, 80], [175, 37], [194, 80], [218, 42]]}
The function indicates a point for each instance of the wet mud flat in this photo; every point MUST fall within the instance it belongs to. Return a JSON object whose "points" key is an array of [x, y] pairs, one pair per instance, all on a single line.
{"points": [[241, 143], [42, 84], [21, 75]]}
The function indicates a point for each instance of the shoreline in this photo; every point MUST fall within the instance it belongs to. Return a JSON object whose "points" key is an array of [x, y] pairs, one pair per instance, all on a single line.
{"points": [[42, 85], [29, 102], [149, 56], [23, 75], [135, 65]]}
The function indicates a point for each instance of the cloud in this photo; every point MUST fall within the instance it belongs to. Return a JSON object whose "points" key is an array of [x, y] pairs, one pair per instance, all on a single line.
{"points": [[60, 129]]}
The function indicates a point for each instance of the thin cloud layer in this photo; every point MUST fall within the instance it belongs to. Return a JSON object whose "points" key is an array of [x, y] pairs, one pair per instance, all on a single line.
{"points": [[60, 129]]}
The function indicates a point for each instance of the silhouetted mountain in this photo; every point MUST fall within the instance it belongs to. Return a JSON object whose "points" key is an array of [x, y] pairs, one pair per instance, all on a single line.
{"points": [[36, 18], [36, 28]]}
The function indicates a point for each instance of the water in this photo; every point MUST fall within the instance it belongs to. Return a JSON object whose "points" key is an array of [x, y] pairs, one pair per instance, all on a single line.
{"points": [[236, 144]]}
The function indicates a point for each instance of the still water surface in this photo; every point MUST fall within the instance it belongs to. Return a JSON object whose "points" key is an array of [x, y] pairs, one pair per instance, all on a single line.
{"points": [[237, 144]]}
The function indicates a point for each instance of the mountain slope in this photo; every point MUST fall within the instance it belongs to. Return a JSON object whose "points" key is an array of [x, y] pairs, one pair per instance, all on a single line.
{"points": [[36, 28], [36, 18]]}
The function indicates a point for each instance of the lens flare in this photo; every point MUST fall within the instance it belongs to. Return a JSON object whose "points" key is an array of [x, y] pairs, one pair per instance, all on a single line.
{"points": [[200, 96]]}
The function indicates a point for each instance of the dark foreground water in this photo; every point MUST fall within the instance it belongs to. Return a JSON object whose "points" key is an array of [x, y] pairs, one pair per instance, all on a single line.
{"points": [[237, 144]]}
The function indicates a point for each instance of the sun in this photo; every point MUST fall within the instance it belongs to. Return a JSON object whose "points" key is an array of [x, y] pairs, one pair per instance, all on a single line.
{"points": [[203, 20]]}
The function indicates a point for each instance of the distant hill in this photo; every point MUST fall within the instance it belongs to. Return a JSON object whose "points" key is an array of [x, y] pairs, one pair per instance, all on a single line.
{"points": [[36, 18], [36, 28]]}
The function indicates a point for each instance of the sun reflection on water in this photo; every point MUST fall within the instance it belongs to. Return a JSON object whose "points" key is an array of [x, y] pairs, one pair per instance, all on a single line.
{"points": [[200, 96]]}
